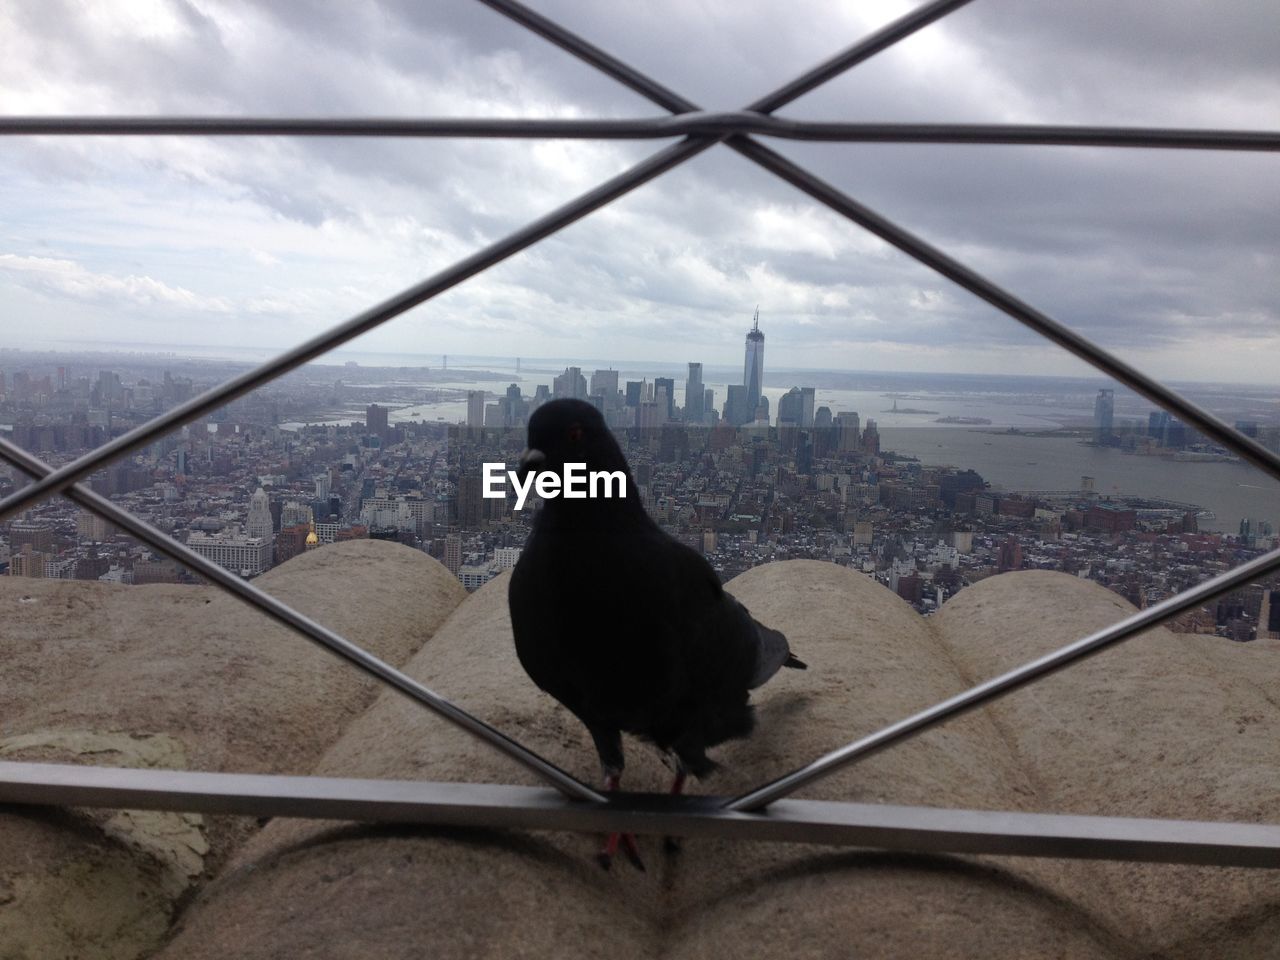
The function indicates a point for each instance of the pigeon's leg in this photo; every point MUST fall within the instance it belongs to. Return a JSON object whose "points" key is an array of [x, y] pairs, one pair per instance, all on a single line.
{"points": [[672, 844], [609, 746], [677, 785], [690, 757], [626, 840]]}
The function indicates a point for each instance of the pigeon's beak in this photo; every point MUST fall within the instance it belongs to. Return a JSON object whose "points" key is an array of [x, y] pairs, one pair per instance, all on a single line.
{"points": [[530, 461]]}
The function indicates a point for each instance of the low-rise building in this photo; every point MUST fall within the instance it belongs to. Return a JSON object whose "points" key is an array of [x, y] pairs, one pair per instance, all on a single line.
{"points": [[247, 556]]}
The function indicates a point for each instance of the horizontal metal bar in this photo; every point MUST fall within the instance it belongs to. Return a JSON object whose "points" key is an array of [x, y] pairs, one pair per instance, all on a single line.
{"points": [[986, 692], [918, 829], [1028, 134], [516, 127], [696, 123], [210, 400], [318, 633], [1079, 345]]}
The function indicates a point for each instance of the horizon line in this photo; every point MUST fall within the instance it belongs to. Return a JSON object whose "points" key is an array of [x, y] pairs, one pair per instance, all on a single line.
{"points": [[164, 350]]}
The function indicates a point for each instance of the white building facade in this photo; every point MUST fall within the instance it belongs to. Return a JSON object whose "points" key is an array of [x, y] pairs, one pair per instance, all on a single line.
{"points": [[246, 556]]}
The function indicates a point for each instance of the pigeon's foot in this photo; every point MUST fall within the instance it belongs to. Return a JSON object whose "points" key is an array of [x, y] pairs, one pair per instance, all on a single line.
{"points": [[625, 840]]}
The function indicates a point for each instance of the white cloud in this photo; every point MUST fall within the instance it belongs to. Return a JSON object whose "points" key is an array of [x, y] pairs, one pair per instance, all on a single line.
{"points": [[264, 258], [65, 278], [1150, 249]]}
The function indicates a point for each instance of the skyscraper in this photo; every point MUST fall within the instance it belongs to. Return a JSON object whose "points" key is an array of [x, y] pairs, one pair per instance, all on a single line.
{"points": [[735, 405], [259, 522], [668, 384], [753, 368], [1103, 415], [475, 409], [662, 397], [514, 407], [791, 408], [824, 434], [871, 439], [470, 498], [375, 419], [605, 382], [849, 431], [541, 394], [295, 513], [1157, 424], [693, 395], [648, 416], [571, 383], [807, 395], [453, 553], [790, 418]]}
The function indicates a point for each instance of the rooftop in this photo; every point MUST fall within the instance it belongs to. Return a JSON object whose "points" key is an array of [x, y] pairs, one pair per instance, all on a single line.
{"points": [[1169, 726]]}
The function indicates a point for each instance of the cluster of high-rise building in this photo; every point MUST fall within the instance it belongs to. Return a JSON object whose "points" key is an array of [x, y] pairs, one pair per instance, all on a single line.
{"points": [[1160, 434], [648, 403], [733, 483]]}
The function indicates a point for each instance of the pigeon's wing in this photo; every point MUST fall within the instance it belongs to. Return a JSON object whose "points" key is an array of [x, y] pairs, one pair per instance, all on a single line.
{"points": [[717, 637], [736, 644]]}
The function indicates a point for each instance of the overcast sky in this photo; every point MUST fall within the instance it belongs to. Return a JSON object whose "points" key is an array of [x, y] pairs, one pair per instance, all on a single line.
{"points": [[1170, 258]]}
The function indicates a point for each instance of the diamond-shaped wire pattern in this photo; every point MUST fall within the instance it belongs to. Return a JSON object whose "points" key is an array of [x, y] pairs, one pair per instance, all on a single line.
{"points": [[702, 131]]}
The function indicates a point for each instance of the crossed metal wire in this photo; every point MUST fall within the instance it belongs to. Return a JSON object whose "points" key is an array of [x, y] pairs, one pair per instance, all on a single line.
{"points": [[702, 130]]}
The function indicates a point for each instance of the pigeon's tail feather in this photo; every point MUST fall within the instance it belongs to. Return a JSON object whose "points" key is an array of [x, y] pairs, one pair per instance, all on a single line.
{"points": [[772, 653]]}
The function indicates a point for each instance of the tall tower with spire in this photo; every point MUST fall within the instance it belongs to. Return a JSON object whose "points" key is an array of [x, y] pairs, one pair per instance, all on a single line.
{"points": [[753, 369], [259, 522]]}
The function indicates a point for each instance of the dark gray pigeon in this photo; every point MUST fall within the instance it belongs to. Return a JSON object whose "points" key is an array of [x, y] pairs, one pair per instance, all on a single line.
{"points": [[624, 625]]}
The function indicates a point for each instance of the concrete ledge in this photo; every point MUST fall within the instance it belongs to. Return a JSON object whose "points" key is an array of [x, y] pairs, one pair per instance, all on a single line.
{"points": [[1163, 726]]}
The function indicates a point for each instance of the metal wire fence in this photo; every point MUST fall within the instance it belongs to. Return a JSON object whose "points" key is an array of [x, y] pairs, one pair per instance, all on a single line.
{"points": [[700, 130]]}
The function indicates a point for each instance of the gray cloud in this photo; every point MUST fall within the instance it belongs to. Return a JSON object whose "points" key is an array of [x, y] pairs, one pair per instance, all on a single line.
{"points": [[1170, 257]]}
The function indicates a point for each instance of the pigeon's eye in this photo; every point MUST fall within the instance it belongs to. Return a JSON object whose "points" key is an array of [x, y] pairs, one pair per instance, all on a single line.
{"points": [[575, 433]]}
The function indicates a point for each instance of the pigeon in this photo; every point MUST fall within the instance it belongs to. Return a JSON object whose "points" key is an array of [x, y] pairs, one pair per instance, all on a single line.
{"points": [[624, 625]]}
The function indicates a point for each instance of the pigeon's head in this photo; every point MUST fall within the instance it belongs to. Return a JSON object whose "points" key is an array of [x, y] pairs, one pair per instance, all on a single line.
{"points": [[570, 431]]}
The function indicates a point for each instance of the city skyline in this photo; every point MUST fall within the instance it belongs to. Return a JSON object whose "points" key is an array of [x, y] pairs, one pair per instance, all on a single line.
{"points": [[248, 493], [542, 365], [1166, 258], [39, 374]]}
